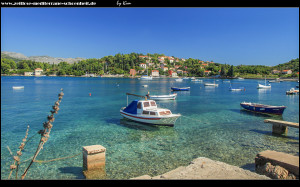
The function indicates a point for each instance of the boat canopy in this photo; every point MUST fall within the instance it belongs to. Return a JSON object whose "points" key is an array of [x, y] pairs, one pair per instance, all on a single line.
{"points": [[132, 107]]}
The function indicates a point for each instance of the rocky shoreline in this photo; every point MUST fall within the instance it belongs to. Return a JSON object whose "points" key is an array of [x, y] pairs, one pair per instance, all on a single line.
{"points": [[205, 168]]}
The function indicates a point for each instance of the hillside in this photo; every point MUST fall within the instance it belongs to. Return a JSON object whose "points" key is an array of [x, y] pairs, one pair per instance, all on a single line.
{"points": [[56, 60], [292, 65]]}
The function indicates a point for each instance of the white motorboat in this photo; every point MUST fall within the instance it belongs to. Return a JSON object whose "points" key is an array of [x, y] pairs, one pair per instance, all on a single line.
{"points": [[162, 97], [146, 111]]}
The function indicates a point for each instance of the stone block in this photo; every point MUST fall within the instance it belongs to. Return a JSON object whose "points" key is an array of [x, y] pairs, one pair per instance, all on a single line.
{"points": [[93, 161]]}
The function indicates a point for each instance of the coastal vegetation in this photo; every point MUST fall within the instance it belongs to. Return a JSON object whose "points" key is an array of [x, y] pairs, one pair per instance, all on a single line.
{"points": [[122, 63]]}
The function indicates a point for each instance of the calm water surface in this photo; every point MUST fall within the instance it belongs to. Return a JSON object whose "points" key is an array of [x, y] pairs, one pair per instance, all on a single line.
{"points": [[212, 125]]}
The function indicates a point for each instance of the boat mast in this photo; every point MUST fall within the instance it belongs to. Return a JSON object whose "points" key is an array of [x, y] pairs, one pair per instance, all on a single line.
{"points": [[136, 96]]}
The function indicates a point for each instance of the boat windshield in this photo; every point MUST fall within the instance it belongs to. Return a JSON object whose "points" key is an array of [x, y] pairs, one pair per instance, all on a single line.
{"points": [[166, 112], [146, 104], [139, 106], [153, 103]]}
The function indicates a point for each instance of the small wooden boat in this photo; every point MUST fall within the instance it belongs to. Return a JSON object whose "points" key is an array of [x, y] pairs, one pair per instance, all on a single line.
{"points": [[162, 97], [256, 107], [146, 111], [180, 89], [237, 89], [18, 87], [292, 91], [145, 86]]}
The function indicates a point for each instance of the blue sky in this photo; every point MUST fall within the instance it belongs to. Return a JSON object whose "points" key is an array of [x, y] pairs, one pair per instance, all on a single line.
{"points": [[265, 36]]}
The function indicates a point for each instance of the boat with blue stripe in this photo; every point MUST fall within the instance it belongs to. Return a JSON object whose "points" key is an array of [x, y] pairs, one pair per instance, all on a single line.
{"points": [[180, 89], [256, 107]]}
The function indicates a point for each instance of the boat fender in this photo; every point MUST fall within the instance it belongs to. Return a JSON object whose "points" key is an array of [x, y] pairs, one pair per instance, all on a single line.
{"points": [[90, 94]]}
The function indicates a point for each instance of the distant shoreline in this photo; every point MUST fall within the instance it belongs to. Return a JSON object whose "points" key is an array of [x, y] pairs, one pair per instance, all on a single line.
{"points": [[122, 76]]}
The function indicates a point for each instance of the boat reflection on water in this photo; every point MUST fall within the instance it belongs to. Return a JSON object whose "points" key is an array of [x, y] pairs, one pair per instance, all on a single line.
{"points": [[250, 113], [149, 132], [137, 125]]}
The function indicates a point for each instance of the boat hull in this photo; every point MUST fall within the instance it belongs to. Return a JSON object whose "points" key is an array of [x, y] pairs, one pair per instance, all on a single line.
{"points": [[18, 87], [208, 84], [163, 97], [260, 86], [278, 110], [154, 120], [180, 89]]}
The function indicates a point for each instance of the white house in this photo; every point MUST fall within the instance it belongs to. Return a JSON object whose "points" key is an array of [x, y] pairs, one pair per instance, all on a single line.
{"points": [[143, 65], [38, 72], [155, 73]]}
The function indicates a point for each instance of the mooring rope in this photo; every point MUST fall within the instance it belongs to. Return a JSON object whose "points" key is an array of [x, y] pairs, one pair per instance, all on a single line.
{"points": [[61, 158]]}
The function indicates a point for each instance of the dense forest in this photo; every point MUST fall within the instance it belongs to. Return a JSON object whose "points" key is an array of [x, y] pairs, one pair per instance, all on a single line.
{"points": [[122, 63]]}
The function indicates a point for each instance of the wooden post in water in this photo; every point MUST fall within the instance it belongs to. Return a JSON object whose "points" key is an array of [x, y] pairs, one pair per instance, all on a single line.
{"points": [[94, 162]]}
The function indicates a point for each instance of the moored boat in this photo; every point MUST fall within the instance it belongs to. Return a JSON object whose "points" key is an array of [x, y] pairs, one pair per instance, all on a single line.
{"points": [[162, 97], [179, 80], [256, 107], [292, 91], [146, 111], [180, 89], [146, 77], [211, 84], [261, 86], [18, 87], [236, 89]]}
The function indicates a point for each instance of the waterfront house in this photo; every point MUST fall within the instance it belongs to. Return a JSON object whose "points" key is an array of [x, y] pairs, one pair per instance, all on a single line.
{"points": [[207, 72], [155, 73], [28, 73], [132, 72], [286, 71], [38, 72]]}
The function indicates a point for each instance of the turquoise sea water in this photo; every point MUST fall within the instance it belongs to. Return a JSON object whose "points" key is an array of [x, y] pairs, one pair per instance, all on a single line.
{"points": [[212, 125]]}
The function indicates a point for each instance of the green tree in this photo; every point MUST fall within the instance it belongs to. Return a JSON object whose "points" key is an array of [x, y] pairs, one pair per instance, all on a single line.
{"points": [[223, 71], [231, 71]]}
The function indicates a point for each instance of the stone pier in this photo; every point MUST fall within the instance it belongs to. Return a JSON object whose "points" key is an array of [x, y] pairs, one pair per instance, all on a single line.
{"points": [[281, 127], [275, 163], [94, 162]]}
